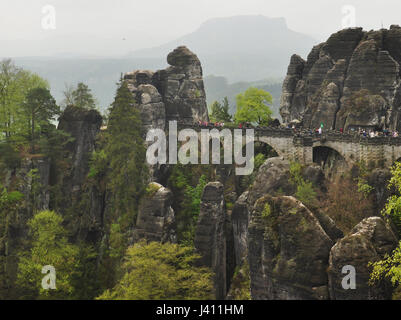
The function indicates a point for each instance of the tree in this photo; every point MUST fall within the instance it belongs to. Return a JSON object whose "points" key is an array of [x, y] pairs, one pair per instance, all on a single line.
{"points": [[390, 267], [68, 96], [392, 209], [11, 204], [156, 271], [191, 208], [49, 247], [253, 106], [15, 83], [81, 97], [40, 108], [219, 112], [304, 189], [126, 154]]}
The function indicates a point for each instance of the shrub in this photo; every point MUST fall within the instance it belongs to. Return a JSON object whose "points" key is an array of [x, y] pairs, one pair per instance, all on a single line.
{"points": [[156, 271]]}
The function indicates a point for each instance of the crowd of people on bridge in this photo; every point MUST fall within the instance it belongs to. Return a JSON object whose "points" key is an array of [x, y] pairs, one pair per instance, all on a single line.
{"points": [[364, 132], [221, 124], [370, 133], [376, 133], [210, 124]]}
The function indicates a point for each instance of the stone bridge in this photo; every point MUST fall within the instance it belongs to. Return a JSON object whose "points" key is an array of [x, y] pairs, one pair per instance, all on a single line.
{"points": [[302, 146]]}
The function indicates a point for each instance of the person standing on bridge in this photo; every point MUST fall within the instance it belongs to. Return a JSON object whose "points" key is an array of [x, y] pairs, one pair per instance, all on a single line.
{"points": [[320, 130]]}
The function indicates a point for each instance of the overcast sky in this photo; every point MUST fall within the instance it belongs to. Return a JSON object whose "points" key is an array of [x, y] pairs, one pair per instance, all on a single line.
{"points": [[119, 26]]}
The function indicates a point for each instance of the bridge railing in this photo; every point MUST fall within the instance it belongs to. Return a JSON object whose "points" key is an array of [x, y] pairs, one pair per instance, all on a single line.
{"points": [[327, 135]]}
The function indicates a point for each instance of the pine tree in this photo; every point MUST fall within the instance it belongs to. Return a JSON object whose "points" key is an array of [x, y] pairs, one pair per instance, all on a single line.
{"points": [[219, 112], [126, 153], [81, 97], [40, 108]]}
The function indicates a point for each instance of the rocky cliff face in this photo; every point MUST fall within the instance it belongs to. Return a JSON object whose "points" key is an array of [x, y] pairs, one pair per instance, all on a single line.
{"points": [[368, 242], [288, 251], [297, 253], [175, 93], [210, 238], [156, 219], [83, 127], [352, 79]]}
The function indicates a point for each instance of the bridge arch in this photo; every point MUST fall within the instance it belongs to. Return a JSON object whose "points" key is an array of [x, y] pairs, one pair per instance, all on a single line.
{"points": [[279, 145], [261, 147], [331, 145], [329, 159]]}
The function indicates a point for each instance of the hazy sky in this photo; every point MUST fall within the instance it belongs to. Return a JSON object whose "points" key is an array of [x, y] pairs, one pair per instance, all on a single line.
{"points": [[98, 27]]}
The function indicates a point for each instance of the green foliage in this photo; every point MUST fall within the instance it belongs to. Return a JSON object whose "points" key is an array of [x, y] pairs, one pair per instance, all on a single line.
{"points": [[389, 268], [219, 111], [15, 83], [27, 113], [259, 159], [81, 97], [305, 191], [187, 183], [151, 189], [296, 173], [194, 196], [157, 271], [218, 87], [253, 106], [392, 209], [49, 247], [9, 156], [117, 241], [40, 108], [191, 208], [229, 205], [126, 155], [52, 142], [11, 203], [267, 210], [118, 169], [33, 180], [178, 179], [98, 164], [363, 187], [240, 288]]}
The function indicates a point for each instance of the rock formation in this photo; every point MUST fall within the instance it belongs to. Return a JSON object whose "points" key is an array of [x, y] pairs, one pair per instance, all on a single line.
{"points": [[150, 102], [240, 221], [156, 220], [273, 175], [351, 80], [82, 126], [175, 93], [369, 241], [288, 251], [210, 236]]}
